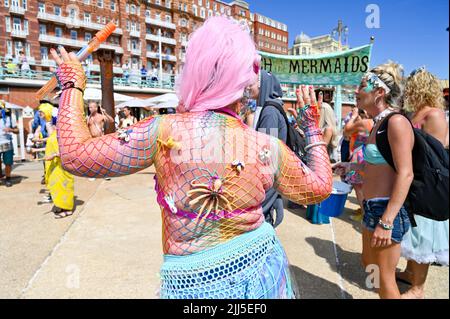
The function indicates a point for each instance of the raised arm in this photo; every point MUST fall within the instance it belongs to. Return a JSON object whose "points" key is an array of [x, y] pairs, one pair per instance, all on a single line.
{"points": [[310, 183], [116, 154]]}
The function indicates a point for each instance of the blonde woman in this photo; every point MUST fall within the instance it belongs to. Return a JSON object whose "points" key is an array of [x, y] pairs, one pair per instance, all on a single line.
{"points": [[328, 125], [429, 241], [385, 220]]}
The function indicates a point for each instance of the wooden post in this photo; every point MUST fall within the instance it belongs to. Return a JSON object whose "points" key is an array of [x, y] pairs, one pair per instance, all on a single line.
{"points": [[107, 76]]}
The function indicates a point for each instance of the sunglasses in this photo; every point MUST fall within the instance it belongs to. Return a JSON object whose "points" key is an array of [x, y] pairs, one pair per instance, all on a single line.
{"points": [[416, 71]]}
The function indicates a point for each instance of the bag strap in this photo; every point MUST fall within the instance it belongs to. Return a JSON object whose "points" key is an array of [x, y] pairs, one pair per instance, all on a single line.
{"points": [[283, 114], [382, 139]]}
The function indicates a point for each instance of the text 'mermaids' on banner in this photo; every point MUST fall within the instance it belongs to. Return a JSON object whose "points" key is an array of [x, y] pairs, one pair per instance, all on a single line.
{"points": [[341, 68]]}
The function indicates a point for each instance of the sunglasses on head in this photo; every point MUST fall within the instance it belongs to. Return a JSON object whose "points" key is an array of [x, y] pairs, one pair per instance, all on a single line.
{"points": [[416, 71]]}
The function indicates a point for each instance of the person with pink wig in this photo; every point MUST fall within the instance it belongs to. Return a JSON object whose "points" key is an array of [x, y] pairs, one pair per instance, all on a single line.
{"points": [[212, 170]]}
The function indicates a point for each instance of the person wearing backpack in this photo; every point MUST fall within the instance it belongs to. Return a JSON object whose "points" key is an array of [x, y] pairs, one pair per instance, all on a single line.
{"points": [[385, 189], [428, 242], [269, 120]]}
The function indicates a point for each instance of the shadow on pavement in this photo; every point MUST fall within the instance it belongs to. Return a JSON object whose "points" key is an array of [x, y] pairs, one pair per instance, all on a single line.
{"points": [[349, 266], [314, 287], [15, 179]]}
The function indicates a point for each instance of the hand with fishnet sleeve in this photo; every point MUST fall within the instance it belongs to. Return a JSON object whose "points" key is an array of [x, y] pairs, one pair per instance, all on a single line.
{"points": [[313, 183], [116, 154]]}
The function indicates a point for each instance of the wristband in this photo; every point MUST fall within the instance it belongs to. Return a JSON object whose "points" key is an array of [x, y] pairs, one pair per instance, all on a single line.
{"points": [[385, 226]]}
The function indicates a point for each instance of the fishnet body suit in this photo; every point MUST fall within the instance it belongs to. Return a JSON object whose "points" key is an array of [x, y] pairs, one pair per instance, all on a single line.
{"points": [[212, 170]]}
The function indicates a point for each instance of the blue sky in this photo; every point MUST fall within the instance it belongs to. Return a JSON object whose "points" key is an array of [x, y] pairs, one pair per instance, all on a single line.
{"points": [[412, 32]]}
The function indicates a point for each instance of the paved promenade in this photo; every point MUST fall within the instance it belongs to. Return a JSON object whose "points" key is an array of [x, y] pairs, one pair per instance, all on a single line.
{"points": [[111, 246]]}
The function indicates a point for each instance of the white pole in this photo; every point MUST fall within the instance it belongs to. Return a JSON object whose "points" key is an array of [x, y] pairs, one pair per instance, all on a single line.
{"points": [[21, 136], [160, 59]]}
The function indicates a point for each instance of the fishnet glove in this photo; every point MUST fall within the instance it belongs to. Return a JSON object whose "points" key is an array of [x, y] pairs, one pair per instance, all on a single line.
{"points": [[71, 74]]}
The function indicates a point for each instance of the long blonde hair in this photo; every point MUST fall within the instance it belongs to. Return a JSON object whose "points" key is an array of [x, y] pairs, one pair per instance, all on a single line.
{"points": [[328, 119], [422, 89]]}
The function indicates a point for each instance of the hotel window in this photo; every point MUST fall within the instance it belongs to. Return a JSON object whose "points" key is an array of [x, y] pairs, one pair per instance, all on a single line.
{"points": [[158, 2], [73, 35], [207, 4], [18, 46], [127, 8], [57, 10], [41, 7], [87, 17], [25, 26], [195, 10], [158, 16], [147, 13], [7, 3], [168, 4], [113, 5], [44, 53], [72, 13], [168, 18], [58, 32], [185, 8], [87, 37], [8, 24], [203, 13], [100, 3], [17, 24], [87, 1], [215, 6], [42, 29], [200, 2], [24, 4], [104, 20], [183, 22], [210, 13], [133, 9]]}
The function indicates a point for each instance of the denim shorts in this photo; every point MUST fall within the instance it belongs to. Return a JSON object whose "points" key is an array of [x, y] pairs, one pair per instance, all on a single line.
{"points": [[374, 210]]}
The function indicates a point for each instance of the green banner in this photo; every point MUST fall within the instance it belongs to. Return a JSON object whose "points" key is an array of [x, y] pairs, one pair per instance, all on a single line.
{"points": [[341, 68]]}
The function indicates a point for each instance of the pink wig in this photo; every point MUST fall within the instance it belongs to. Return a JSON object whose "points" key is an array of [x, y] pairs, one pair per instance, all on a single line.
{"points": [[221, 61]]}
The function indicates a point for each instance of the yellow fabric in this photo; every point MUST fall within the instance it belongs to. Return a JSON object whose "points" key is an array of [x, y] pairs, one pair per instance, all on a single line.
{"points": [[47, 109], [59, 182]]}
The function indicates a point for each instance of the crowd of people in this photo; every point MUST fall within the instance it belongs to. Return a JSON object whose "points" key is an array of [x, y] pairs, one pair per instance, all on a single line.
{"points": [[218, 216]]}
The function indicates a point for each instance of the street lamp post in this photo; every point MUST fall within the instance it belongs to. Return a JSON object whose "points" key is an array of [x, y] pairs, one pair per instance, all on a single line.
{"points": [[160, 59], [340, 30]]}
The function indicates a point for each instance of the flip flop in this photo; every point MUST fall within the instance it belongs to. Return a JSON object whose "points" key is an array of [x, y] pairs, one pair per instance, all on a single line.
{"points": [[63, 214]]}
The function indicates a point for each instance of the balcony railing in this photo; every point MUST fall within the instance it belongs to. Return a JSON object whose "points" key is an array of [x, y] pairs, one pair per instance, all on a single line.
{"points": [[47, 62], [168, 57], [134, 33], [118, 49], [76, 43], [17, 10], [136, 52], [152, 37], [96, 68], [160, 23], [18, 33], [74, 22]]}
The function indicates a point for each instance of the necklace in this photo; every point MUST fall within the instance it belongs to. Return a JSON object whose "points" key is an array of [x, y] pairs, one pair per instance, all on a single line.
{"points": [[382, 115]]}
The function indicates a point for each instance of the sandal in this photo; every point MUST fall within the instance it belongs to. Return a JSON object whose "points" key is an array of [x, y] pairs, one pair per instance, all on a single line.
{"points": [[63, 214]]}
